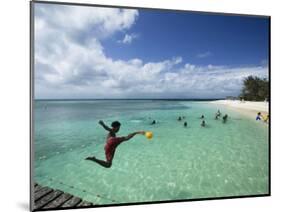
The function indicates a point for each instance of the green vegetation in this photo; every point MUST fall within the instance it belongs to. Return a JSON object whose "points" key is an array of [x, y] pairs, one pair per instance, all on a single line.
{"points": [[255, 89]]}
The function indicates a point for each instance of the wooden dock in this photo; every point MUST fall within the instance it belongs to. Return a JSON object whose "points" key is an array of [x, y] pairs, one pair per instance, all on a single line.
{"points": [[47, 198]]}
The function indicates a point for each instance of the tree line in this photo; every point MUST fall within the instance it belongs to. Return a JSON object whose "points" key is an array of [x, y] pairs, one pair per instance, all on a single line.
{"points": [[255, 89]]}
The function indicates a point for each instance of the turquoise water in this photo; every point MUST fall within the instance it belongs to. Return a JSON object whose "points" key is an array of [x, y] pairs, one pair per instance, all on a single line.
{"points": [[178, 163]]}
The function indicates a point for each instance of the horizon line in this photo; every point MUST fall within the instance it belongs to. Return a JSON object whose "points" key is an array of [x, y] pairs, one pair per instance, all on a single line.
{"points": [[85, 99]]}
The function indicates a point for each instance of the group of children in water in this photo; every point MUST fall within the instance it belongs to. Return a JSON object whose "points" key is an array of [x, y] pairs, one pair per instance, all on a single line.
{"points": [[203, 123], [217, 116], [113, 141]]}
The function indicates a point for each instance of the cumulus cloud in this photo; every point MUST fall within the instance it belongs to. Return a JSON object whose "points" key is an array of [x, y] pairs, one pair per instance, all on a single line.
{"points": [[78, 24], [128, 38], [70, 61]]}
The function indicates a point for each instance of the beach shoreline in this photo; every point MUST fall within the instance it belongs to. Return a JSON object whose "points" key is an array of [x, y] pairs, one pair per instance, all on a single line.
{"points": [[249, 108]]}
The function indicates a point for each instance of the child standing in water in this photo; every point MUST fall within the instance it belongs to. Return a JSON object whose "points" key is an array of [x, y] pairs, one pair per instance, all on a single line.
{"points": [[258, 116], [224, 118], [112, 143], [203, 124]]}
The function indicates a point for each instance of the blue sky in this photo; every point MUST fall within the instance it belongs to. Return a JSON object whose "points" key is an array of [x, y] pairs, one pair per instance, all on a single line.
{"points": [[219, 39], [89, 52]]}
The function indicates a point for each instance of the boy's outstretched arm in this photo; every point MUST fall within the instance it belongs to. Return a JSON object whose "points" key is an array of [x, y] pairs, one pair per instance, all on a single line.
{"points": [[128, 137], [104, 126]]}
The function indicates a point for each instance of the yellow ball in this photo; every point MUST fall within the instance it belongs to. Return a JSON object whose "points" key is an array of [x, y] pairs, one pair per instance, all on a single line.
{"points": [[148, 135]]}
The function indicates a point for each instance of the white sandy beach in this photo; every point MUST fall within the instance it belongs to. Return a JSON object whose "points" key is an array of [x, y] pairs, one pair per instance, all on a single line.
{"points": [[250, 108]]}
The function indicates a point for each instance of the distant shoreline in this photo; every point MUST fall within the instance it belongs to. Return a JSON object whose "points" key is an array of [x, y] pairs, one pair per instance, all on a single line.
{"points": [[248, 108], [129, 99]]}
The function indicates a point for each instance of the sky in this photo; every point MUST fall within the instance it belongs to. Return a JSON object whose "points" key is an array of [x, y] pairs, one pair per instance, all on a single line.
{"points": [[94, 52]]}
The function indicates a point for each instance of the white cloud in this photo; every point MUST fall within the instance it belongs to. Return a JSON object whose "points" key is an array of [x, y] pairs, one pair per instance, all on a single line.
{"points": [[80, 23], [204, 54], [128, 38], [70, 61]]}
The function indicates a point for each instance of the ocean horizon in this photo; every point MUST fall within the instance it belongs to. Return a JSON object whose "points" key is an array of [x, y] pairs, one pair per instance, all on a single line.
{"points": [[164, 99]]}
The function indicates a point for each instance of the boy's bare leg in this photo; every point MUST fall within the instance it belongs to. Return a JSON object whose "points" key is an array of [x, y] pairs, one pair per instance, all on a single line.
{"points": [[106, 164]]}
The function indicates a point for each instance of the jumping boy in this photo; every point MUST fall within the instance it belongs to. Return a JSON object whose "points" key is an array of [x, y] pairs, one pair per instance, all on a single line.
{"points": [[112, 142]]}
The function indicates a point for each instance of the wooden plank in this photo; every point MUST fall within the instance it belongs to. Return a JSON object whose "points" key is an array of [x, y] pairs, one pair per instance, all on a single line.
{"points": [[42, 192], [47, 199], [37, 188], [72, 202], [84, 204], [58, 201]]}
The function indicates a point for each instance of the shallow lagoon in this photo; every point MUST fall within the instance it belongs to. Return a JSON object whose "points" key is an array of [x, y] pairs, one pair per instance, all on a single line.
{"points": [[178, 163]]}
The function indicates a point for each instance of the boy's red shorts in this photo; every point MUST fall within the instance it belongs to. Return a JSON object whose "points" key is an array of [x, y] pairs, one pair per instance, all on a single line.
{"points": [[111, 146]]}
